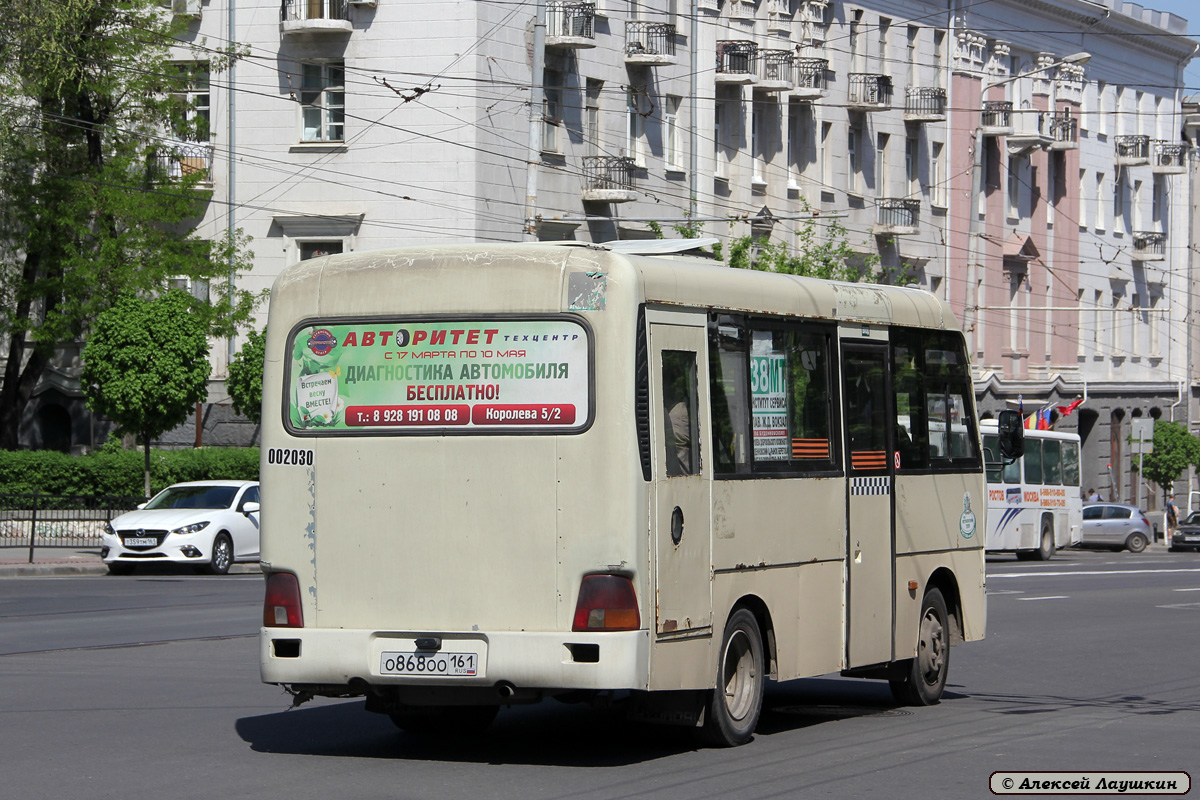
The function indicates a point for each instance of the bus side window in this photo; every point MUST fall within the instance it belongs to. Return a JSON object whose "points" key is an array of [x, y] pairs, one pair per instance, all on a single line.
{"points": [[728, 395], [1052, 461], [1033, 462], [1012, 471], [679, 413], [1070, 463]]}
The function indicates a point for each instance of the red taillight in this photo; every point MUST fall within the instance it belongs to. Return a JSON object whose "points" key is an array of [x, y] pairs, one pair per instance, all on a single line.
{"points": [[606, 603], [281, 608]]}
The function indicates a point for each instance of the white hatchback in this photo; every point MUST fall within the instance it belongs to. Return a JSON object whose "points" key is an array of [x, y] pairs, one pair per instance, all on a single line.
{"points": [[209, 524]]}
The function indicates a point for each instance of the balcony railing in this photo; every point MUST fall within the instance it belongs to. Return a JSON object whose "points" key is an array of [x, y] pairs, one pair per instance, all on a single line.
{"points": [[869, 92], [776, 70], [649, 43], [1133, 151], [181, 160], [736, 62], [1064, 130], [570, 25], [308, 16], [996, 118], [608, 179], [1149, 246], [898, 215], [810, 76], [1170, 157], [1031, 131], [924, 104]]}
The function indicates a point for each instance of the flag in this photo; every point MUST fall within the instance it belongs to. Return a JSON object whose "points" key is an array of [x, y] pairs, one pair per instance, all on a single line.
{"points": [[1043, 423], [1067, 409]]}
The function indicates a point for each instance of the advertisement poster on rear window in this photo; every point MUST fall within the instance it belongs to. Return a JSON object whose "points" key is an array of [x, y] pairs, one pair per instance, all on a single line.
{"points": [[440, 376]]}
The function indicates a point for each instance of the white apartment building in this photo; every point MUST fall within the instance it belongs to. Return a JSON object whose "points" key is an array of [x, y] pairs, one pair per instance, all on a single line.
{"points": [[354, 125]]}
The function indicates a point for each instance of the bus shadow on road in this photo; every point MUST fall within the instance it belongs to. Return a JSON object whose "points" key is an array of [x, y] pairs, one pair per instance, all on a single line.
{"points": [[552, 733]]}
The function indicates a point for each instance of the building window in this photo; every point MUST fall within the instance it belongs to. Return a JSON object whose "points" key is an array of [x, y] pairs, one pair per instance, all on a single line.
{"points": [[937, 175], [881, 176], [1154, 323], [911, 157], [317, 249], [592, 117], [719, 139], [673, 133], [885, 28], [854, 179], [1159, 200], [635, 125], [913, 55], [323, 103], [939, 45], [191, 90], [1101, 110], [1014, 187], [551, 112], [826, 157], [1083, 201], [1119, 203], [1101, 204]]}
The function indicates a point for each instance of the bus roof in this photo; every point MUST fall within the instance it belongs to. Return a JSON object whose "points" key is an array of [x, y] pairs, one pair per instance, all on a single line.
{"points": [[991, 426], [673, 280]]}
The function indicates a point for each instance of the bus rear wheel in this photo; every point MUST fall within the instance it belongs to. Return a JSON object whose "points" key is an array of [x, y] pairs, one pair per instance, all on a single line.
{"points": [[924, 677], [736, 703], [1046, 550]]}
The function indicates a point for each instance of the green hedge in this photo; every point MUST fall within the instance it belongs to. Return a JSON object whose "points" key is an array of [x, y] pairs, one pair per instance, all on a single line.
{"points": [[121, 472]]}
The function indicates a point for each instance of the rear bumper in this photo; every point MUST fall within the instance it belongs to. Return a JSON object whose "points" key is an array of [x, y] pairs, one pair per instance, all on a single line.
{"points": [[314, 656]]}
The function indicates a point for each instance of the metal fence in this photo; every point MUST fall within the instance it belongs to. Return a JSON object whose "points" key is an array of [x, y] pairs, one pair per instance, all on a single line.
{"points": [[44, 520]]}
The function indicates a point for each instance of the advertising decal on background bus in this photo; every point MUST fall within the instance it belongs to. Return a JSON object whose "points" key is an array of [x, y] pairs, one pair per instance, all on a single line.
{"points": [[441, 376], [768, 392]]}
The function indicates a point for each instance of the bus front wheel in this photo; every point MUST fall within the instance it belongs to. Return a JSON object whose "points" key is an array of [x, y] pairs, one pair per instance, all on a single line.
{"points": [[924, 677], [736, 702]]}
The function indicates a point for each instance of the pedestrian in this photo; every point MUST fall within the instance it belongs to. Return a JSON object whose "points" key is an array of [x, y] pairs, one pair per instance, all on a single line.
{"points": [[1093, 496], [1172, 516]]}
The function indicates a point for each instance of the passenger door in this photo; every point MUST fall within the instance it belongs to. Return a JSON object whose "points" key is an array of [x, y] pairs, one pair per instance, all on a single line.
{"points": [[870, 546], [680, 524]]}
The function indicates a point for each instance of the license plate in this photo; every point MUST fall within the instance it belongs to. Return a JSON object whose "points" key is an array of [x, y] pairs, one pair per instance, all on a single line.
{"points": [[436, 664], [140, 541]]}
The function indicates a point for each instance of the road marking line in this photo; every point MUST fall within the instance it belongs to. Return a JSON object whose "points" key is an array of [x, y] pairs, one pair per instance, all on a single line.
{"points": [[1197, 589], [1087, 572], [1048, 597]]}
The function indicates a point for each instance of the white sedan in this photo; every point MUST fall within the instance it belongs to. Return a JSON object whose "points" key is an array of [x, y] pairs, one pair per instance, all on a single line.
{"points": [[209, 524]]}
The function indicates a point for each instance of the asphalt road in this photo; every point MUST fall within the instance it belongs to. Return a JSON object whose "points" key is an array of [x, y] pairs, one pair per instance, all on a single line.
{"points": [[147, 686]]}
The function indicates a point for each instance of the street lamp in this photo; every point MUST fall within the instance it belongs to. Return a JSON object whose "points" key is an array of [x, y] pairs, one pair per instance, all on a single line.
{"points": [[977, 180]]}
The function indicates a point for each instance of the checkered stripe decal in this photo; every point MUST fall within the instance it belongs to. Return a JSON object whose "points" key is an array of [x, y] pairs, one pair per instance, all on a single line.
{"points": [[869, 486]]}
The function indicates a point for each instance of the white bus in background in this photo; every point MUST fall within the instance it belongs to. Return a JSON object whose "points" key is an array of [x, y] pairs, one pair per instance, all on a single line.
{"points": [[1034, 503], [494, 474]]}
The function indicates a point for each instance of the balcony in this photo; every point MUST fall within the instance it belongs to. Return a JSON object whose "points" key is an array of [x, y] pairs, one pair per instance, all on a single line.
{"points": [[570, 26], [897, 216], [776, 71], [996, 118], [608, 179], [174, 162], [650, 43], [1169, 158], [869, 92], [1133, 151], [736, 62], [1031, 131], [1064, 130], [1149, 246], [810, 78], [314, 17], [922, 104]]}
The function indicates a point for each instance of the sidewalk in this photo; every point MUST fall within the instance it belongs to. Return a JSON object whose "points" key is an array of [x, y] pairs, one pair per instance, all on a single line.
{"points": [[51, 561]]}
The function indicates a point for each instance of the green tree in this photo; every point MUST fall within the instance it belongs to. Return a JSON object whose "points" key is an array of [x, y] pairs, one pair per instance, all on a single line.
{"points": [[245, 379], [146, 365], [96, 197], [830, 257], [1174, 450]]}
